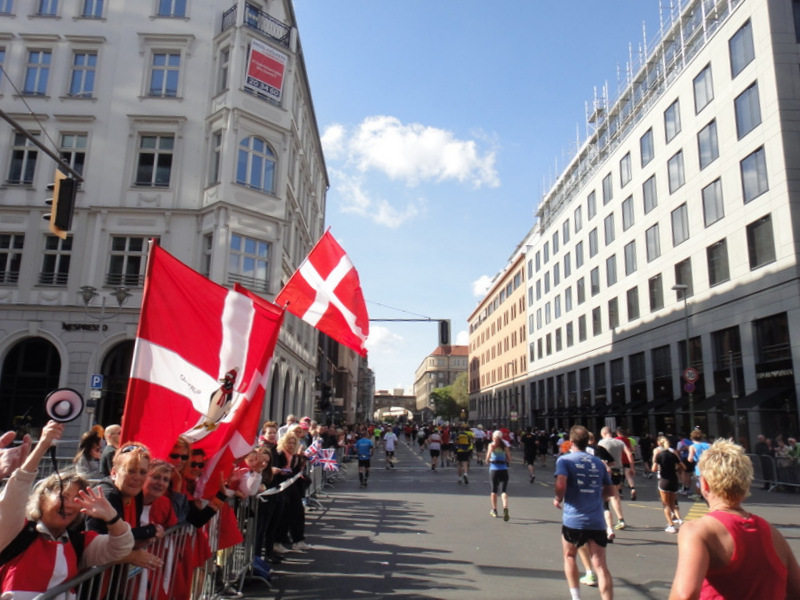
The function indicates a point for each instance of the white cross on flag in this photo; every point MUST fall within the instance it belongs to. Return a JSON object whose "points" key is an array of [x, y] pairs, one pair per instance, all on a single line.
{"points": [[325, 292], [200, 365]]}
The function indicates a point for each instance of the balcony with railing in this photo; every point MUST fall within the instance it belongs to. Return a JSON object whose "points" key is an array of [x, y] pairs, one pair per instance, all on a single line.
{"points": [[257, 19]]}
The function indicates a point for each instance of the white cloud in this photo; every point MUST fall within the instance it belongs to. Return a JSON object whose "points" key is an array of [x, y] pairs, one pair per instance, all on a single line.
{"points": [[333, 139], [481, 286], [462, 339], [382, 341], [356, 200]]}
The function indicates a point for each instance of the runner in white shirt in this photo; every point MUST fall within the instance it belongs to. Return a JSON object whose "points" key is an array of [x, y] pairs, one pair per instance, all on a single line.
{"points": [[389, 441]]}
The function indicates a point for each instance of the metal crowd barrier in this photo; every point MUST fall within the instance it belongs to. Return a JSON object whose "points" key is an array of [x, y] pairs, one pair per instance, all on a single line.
{"points": [[775, 472]]}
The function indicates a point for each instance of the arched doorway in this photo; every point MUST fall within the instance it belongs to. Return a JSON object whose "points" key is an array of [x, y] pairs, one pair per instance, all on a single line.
{"points": [[116, 369], [30, 371]]}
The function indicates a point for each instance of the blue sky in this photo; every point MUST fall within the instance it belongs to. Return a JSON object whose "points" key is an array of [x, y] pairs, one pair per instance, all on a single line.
{"points": [[443, 121]]}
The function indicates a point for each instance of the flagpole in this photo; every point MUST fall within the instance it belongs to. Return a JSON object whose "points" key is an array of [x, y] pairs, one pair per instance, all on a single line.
{"points": [[152, 244]]}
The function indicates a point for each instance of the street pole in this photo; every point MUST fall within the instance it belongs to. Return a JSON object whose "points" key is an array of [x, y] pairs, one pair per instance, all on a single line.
{"points": [[682, 287], [734, 396]]}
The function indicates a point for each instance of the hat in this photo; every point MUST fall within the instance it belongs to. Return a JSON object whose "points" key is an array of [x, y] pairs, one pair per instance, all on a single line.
{"points": [[305, 420], [304, 424]]}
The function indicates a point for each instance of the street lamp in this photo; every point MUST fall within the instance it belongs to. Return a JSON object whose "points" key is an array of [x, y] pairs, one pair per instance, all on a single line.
{"points": [[682, 287]]}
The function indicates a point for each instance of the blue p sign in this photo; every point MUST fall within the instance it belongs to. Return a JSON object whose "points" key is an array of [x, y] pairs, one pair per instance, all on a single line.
{"points": [[96, 382]]}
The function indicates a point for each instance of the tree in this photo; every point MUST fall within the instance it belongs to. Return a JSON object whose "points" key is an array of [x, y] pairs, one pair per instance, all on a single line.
{"points": [[444, 405], [459, 390]]}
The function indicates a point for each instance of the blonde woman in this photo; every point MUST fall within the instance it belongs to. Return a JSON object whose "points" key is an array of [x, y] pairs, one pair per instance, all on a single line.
{"points": [[498, 457], [731, 553], [670, 468]]}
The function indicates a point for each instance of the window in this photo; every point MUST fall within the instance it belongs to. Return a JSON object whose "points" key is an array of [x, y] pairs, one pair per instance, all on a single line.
{"points": [[646, 147], [92, 9], [717, 257], [760, 243], [741, 49], [547, 316], [608, 228], [578, 255], [36, 73], [796, 11], [558, 340], [652, 242], [597, 321], [680, 225], [611, 270], [256, 165], [171, 8], [555, 243], [10, 257], [683, 276], [567, 265], [23, 160], [538, 261], [208, 253], [675, 171], [582, 328], [748, 111], [154, 164], [2, 53], [127, 261], [164, 74], [538, 289], [703, 89], [707, 146], [546, 252], [578, 219], [557, 307], [224, 67], [47, 8], [594, 281], [754, 175], [216, 158], [73, 150], [630, 258], [632, 297], [55, 262], [593, 242], [713, 208], [565, 232], [672, 121], [81, 83], [547, 282], [248, 262], [581, 291], [649, 194], [568, 299], [591, 206], [613, 313], [608, 189], [656, 293], [556, 274], [570, 335], [627, 213], [625, 173], [6, 7]]}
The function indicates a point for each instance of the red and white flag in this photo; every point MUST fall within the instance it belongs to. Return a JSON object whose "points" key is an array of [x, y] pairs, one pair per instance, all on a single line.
{"points": [[200, 365], [325, 292]]}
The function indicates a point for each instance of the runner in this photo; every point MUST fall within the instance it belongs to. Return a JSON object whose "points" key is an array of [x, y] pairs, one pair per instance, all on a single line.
{"points": [[434, 443], [463, 444], [530, 444], [364, 449], [498, 455], [479, 440], [389, 443]]}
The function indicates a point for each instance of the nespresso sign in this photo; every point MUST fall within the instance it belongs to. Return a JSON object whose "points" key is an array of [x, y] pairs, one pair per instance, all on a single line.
{"points": [[84, 327]]}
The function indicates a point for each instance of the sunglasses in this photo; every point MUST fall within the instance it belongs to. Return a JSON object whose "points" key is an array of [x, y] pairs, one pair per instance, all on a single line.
{"points": [[176, 456], [197, 465], [128, 449]]}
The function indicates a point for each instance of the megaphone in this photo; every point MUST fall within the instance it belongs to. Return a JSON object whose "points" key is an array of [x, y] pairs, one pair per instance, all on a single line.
{"points": [[64, 405]]}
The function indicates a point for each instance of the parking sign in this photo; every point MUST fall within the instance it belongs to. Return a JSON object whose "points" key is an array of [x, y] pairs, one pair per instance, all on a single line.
{"points": [[96, 382]]}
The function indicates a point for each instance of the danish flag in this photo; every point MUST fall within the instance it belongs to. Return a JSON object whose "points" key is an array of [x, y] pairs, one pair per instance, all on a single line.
{"points": [[325, 293], [200, 365]]}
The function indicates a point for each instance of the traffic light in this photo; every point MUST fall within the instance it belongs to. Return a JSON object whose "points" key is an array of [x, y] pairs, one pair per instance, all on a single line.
{"points": [[62, 204], [444, 332]]}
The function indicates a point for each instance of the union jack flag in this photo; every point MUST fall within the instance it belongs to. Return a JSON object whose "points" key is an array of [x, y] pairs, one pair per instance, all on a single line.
{"points": [[327, 460], [312, 452]]}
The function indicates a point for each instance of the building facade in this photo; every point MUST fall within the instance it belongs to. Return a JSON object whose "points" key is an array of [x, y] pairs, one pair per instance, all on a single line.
{"points": [[498, 364], [663, 287], [190, 122], [439, 369]]}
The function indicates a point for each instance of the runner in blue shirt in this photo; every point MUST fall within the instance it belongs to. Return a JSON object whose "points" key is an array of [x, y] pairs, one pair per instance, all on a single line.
{"points": [[364, 448]]}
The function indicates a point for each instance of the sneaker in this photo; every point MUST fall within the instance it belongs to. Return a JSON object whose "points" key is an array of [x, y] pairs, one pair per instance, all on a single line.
{"points": [[505, 514], [589, 579], [465, 479], [533, 477], [280, 549], [492, 512], [620, 525], [302, 546], [671, 529], [678, 521], [633, 494]]}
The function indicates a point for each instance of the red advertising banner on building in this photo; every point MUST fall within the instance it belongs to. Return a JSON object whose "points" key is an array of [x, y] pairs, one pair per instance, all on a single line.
{"points": [[265, 70]]}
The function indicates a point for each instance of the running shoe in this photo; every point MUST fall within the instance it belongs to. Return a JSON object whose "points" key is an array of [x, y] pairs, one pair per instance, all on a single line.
{"points": [[671, 529], [492, 512], [279, 549], [633, 494], [677, 521], [533, 478], [465, 478], [620, 525], [589, 579], [505, 514], [302, 546]]}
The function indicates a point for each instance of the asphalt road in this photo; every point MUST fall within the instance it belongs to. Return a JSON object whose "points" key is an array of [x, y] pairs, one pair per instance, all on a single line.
{"points": [[414, 533]]}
